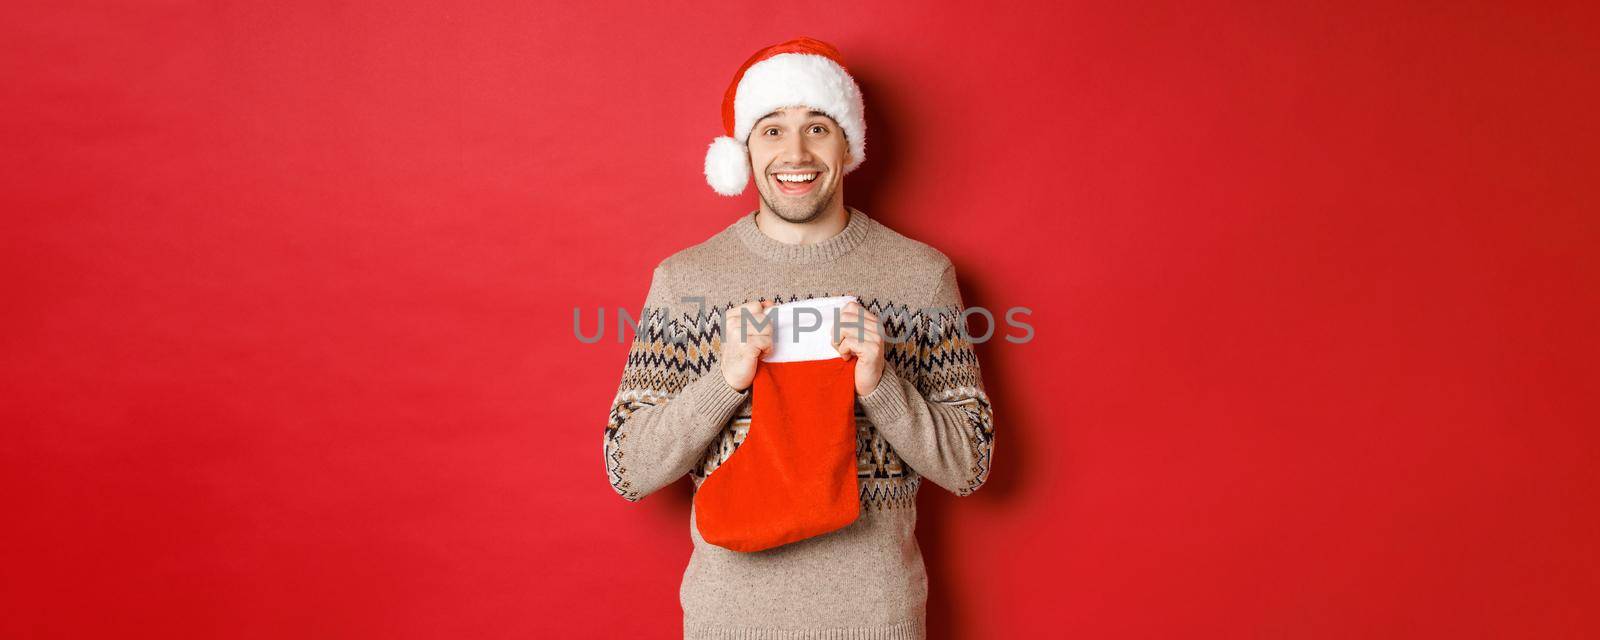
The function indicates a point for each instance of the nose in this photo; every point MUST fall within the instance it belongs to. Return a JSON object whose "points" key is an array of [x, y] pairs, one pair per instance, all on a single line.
{"points": [[795, 151]]}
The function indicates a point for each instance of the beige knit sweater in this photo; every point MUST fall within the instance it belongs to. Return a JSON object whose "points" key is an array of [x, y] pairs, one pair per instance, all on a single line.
{"points": [[675, 414]]}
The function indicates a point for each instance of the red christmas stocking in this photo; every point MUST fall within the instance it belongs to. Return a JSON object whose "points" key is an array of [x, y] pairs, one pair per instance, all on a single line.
{"points": [[794, 475]]}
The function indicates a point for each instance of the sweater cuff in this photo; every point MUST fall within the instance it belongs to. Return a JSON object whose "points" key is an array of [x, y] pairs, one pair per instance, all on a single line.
{"points": [[887, 403], [714, 398]]}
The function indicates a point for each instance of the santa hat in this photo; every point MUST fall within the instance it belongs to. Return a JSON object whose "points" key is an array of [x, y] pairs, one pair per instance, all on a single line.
{"points": [[801, 72]]}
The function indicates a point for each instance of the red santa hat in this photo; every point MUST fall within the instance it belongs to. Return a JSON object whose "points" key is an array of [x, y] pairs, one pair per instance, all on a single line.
{"points": [[801, 72]]}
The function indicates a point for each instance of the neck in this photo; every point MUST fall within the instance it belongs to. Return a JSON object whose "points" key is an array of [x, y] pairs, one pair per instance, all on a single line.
{"points": [[827, 225]]}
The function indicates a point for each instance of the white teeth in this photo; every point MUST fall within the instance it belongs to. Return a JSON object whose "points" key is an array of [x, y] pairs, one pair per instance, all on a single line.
{"points": [[797, 177]]}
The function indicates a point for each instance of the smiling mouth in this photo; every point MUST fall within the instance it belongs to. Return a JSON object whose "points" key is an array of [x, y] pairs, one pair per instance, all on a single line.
{"points": [[798, 182]]}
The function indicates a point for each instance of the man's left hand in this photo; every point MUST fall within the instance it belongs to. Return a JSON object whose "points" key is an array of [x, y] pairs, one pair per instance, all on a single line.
{"points": [[860, 337]]}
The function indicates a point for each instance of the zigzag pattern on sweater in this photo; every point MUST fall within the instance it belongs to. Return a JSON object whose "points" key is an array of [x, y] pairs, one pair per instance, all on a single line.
{"points": [[923, 345]]}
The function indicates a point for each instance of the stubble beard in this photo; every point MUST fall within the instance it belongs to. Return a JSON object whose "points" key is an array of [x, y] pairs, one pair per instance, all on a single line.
{"points": [[796, 211]]}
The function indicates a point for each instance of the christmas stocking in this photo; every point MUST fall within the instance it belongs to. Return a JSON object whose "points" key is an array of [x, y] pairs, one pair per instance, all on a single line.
{"points": [[794, 475]]}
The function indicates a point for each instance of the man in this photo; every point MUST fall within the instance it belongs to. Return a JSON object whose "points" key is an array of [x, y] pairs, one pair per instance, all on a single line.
{"points": [[793, 116]]}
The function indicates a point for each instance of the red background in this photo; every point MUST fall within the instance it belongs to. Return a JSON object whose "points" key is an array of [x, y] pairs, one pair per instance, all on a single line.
{"points": [[288, 335]]}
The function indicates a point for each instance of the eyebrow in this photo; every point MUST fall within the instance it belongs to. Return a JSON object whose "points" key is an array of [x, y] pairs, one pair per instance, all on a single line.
{"points": [[810, 113]]}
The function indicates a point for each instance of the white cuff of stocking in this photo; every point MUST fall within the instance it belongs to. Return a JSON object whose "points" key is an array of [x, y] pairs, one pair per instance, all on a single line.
{"points": [[803, 330]]}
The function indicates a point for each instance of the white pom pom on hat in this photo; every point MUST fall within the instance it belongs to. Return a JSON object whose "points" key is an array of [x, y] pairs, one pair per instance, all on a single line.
{"points": [[727, 166], [801, 72]]}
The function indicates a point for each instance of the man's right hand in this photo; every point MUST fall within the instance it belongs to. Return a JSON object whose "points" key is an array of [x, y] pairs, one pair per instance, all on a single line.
{"points": [[742, 351]]}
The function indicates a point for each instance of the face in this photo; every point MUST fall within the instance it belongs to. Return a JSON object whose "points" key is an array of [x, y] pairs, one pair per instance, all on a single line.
{"points": [[798, 142]]}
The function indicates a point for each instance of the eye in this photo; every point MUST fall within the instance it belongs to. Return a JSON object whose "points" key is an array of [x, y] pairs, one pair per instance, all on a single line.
{"points": [[769, 130], [818, 126]]}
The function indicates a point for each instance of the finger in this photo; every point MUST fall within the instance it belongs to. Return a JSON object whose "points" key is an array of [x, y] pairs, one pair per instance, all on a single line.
{"points": [[842, 337], [737, 315], [870, 335], [869, 350], [846, 332], [868, 318], [857, 314], [848, 348]]}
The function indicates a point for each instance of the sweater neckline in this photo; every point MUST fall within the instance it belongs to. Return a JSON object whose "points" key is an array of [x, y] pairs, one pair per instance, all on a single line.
{"points": [[843, 242]]}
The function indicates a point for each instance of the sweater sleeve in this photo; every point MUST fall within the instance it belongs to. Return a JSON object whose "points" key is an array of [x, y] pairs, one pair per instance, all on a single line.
{"points": [[672, 401], [940, 422]]}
